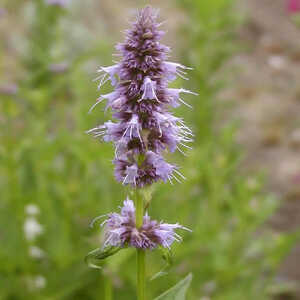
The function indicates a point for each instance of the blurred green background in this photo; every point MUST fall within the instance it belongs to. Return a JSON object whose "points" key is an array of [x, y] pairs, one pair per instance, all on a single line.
{"points": [[54, 179]]}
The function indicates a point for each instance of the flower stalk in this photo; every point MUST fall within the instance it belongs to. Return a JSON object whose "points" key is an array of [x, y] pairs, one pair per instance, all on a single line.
{"points": [[108, 289], [141, 274], [143, 130], [141, 253]]}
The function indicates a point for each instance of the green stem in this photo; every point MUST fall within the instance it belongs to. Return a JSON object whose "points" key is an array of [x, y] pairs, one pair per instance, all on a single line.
{"points": [[141, 254], [108, 290], [141, 268]]}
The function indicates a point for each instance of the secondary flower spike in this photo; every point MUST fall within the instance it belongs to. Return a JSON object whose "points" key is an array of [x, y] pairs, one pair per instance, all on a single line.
{"points": [[121, 230], [140, 102]]}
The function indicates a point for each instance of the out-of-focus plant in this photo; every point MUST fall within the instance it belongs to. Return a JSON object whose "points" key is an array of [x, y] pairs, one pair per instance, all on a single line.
{"points": [[235, 262], [293, 8], [37, 155], [43, 37]]}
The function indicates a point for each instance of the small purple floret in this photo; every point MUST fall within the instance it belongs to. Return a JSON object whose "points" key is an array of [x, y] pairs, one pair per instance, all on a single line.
{"points": [[61, 3], [9, 89], [59, 68], [121, 230], [3, 12], [144, 129]]}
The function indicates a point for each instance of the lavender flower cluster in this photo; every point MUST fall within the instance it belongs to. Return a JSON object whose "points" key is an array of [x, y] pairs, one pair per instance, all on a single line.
{"points": [[140, 102], [121, 230]]}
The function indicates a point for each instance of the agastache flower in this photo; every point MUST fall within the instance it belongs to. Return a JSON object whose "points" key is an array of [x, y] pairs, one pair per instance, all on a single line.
{"points": [[121, 230], [145, 129]]}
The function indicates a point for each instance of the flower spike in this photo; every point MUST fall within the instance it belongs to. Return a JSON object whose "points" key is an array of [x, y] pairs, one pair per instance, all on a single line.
{"points": [[140, 102], [121, 230]]}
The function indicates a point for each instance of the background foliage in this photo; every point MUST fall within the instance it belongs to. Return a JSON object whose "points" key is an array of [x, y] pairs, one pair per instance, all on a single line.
{"points": [[47, 160]]}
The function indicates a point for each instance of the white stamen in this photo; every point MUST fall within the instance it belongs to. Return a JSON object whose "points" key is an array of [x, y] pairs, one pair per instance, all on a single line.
{"points": [[185, 228], [177, 237], [99, 134], [188, 92], [130, 134], [186, 146], [181, 75], [125, 179], [103, 81], [96, 219], [116, 151], [177, 172], [93, 129], [139, 135], [94, 105], [160, 131], [185, 139], [104, 222], [97, 78], [188, 105], [169, 177], [181, 151], [173, 176]]}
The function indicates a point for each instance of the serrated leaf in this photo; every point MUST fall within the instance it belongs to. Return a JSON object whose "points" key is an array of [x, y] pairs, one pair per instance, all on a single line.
{"points": [[93, 258], [178, 291], [167, 257]]}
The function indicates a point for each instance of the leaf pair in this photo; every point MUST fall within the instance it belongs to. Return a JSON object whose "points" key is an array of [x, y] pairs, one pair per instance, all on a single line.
{"points": [[177, 292], [167, 257], [93, 258]]}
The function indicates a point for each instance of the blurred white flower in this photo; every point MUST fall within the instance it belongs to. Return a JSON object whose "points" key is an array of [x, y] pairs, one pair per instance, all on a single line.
{"points": [[36, 252], [32, 209], [36, 283], [210, 287], [40, 282], [32, 228], [277, 62]]}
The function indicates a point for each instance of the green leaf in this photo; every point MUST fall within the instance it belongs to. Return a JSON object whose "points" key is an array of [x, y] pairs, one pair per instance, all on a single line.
{"points": [[93, 258], [178, 291], [167, 257], [115, 264]]}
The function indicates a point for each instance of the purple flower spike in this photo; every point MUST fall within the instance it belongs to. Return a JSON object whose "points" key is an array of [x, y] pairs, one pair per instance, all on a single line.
{"points": [[144, 129], [121, 230]]}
